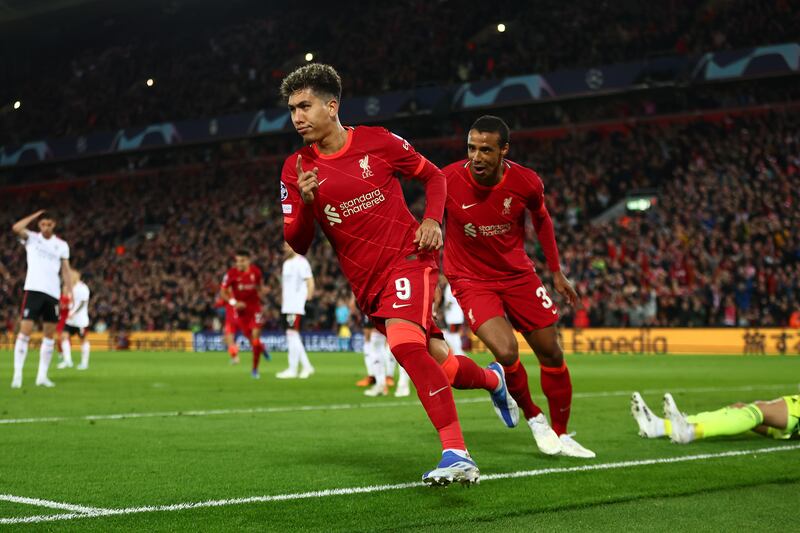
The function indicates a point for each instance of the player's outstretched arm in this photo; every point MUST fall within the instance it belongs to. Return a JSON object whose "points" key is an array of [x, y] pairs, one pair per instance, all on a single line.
{"points": [[20, 227]]}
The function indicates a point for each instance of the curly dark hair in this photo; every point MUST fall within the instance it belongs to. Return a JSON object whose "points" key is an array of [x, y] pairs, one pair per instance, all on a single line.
{"points": [[323, 80]]}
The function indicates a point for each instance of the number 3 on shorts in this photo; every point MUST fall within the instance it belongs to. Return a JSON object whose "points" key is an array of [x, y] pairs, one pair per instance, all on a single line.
{"points": [[403, 288], [541, 292]]}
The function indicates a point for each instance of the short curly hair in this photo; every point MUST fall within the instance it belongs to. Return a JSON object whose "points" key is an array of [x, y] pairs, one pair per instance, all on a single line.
{"points": [[323, 80]]}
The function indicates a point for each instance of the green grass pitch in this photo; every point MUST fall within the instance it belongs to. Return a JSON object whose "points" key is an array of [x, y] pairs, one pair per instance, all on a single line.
{"points": [[199, 430]]}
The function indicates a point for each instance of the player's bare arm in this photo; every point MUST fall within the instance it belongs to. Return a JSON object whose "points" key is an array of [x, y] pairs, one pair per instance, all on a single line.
{"points": [[307, 181], [429, 235], [20, 227], [66, 275], [310, 286], [227, 295], [565, 289]]}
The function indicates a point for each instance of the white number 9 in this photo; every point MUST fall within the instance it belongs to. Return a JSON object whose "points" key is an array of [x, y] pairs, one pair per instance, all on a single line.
{"points": [[403, 287]]}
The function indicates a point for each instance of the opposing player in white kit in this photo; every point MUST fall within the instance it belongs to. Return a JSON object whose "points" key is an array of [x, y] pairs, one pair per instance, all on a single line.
{"points": [[298, 286], [47, 257], [454, 318], [77, 324]]}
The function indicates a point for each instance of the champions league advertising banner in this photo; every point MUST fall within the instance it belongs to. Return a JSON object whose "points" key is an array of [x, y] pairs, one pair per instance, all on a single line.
{"points": [[275, 341]]}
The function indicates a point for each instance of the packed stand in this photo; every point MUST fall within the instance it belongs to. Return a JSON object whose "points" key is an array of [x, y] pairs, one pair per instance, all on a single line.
{"points": [[721, 247], [234, 61]]}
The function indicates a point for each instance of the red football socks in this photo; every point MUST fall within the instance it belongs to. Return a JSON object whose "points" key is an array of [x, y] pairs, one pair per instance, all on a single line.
{"points": [[557, 387], [233, 350], [517, 383], [472, 376], [257, 349], [409, 347]]}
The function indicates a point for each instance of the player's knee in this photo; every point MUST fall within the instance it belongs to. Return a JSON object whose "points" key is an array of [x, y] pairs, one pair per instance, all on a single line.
{"points": [[438, 349], [507, 353]]}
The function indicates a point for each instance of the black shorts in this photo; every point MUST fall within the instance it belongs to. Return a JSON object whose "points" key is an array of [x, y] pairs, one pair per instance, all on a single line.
{"points": [[39, 306], [293, 321], [366, 322], [75, 330]]}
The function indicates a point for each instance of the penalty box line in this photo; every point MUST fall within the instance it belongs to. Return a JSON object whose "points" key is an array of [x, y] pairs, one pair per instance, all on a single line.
{"points": [[374, 405], [385, 488]]}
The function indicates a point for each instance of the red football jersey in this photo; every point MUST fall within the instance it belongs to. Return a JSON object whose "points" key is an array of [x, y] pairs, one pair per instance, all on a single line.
{"points": [[485, 226], [360, 205], [244, 286]]}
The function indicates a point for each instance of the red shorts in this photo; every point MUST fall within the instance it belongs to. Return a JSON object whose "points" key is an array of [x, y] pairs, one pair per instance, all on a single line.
{"points": [[408, 295], [248, 319], [293, 321], [523, 300]]}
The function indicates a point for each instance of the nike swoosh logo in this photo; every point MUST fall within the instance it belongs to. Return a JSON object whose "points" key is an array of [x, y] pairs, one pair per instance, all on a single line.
{"points": [[465, 206], [437, 391], [322, 181], [395, 306]]}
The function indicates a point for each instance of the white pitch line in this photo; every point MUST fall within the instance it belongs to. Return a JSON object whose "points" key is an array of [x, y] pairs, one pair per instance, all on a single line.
{"points": [[49, 503], [372, 405], [386, 488]]}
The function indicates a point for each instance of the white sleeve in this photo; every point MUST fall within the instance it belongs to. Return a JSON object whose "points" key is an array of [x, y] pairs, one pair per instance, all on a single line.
{"points": [[83, 294], [24, 240], [65, 251], [306, 271]]}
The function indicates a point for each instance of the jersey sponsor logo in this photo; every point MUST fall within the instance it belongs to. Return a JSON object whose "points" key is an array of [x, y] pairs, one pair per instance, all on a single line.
{"points": [[493, 230], [45, 254], [361, 203], [366, 172], [332, 215], [469, 230], [507, 205], [322, 181], [471, 316], [465, 206], [396, 306], [284, 192]]}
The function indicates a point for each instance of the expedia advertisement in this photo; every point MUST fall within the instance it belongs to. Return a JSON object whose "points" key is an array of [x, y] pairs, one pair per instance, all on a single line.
{"points": [[146, 341], [673, 341]]}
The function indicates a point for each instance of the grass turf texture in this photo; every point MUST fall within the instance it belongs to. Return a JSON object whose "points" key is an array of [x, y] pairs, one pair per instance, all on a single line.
{"points": [[162, 460]]}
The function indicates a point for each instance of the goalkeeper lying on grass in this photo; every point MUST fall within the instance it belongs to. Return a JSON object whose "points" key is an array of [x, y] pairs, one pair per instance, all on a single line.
{"points": [[775, 418]]}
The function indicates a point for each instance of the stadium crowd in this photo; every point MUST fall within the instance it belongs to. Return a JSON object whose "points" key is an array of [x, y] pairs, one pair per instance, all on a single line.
{"points": [[231, 63], [720, 247]]}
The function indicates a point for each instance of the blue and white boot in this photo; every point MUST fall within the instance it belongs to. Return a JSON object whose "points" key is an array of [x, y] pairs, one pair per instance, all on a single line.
{"points": [[504, 405], [453, 467]]}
